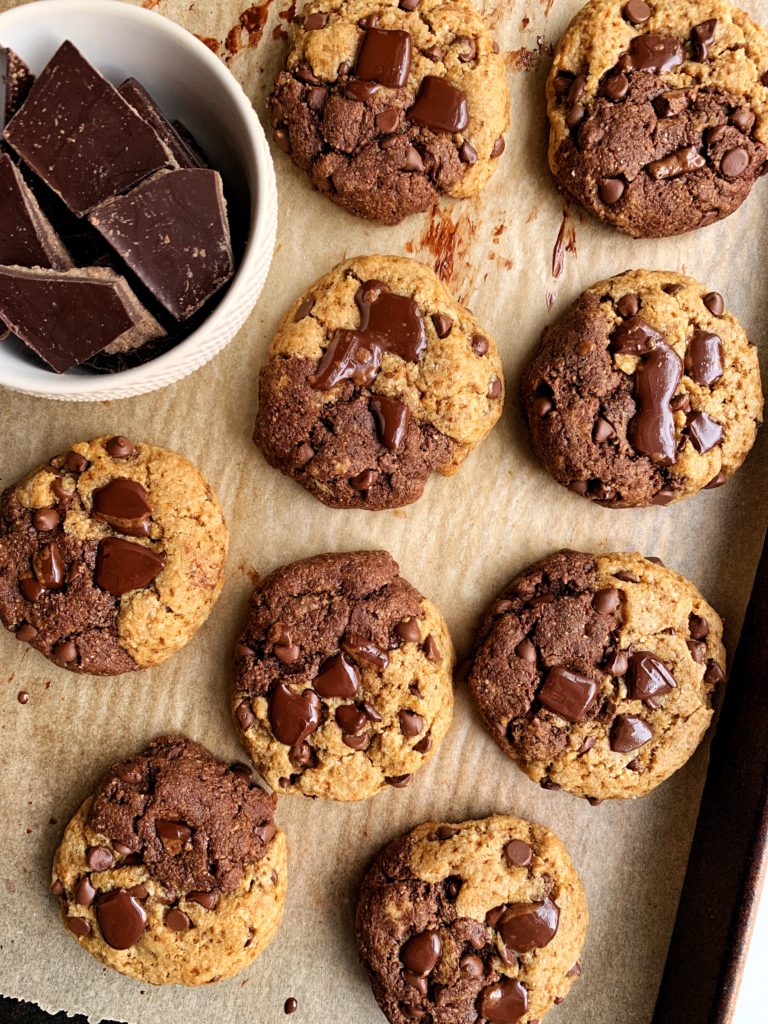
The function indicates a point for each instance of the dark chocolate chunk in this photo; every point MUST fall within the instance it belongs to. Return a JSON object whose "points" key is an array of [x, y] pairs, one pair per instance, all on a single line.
{"points": [[704, 358], [440, 105], [27, 238], [122, 566], [652, 431], [567, 693], [15, 82], [384, 57], [133, 92]]}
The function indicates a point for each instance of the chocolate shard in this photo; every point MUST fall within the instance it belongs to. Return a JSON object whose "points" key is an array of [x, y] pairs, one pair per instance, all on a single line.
{"points": [[78, 134], [15, 82], [133, 92], [27, 238], [172, 231], [66, 316], [191, 143]]}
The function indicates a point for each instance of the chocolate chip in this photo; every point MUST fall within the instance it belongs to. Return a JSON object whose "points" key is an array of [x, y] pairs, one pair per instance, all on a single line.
{"points": [[26, 632], [411, 723], [587, 744], [469, 49], [431, 650], [606, 602], [65, 652], [735, 162], [542, 406], [611, 190], [46, 519], [305, 308], [99, 858], [120, 447], [628, 306], [697, 651], [527, 651], [314, 21], [602, 431], [471, 966], [629, 732], [57, 887], [245, 715], [494, 391], [398, 781], [78, 926], [75, 462], [715, 134], [714, 303], [504, 1002], [467, 154], [122, 919], [517, 853], [563, 82], [670, 104], [420, 954], [704, 432], [698, 626], [281, 138], [714, 674], [85, 894], [442, 324], [575, 115], [338, 677], [174, 835], [139, 891], [387, 120], [291, 1005], [408, 630], [743, 119], [423, 746], [364, 481], [365, 651], [616, 87], [413, 161], [207, 900], [177, 920], [498, 148], [702, 38], [636, 12], [479, 344], [715, 482], [617, 663], [317, 97], [288, 654], [120, 848]]}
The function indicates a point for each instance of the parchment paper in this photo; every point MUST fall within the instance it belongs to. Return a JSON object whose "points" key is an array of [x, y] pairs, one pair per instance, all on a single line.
{"points": [[459, 545]]}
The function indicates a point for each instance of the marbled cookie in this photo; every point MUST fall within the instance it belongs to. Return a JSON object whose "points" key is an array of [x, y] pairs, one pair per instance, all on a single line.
{"points": [[659, 112], [644, 392], [343, 677], [596, 673], [376, 378], [111, 556], [387, 106], [479, 922], [174, 871]]}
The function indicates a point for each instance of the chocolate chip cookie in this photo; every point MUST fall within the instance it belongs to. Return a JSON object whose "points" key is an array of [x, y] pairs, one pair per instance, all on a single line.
{"points": [[343, 677], [482, 921], [376, 378], [659, 112], [388, 105], [111, 556], [644, 392], [596, 673], [174, 871]]}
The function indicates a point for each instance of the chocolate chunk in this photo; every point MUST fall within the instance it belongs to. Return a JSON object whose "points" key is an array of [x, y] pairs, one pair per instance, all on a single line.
{"points": [[629, 732], [384, 57], [408, 630], [567, 693], [124, 504], [15, 82], [46, 519], [365, 651], [420, 954], [698, 626], [350, 356], [655, 53], [122, 919], [66, 317], [293, 716], [637, 12], [635, 337], [133, 92], [524, 927], [99, 858], [704, 432], [393, 419], [122, 566], [172, 231], [714, 674], [648, 677], [518, 854], [714, 303], [704, 358], [338, 677], [652, 431], [702, 38], [177, 920], [351, 719], [48, 566], [79, 135], [672, 103], [440, 105], [27, 238], [174, 835], [504, 1002], [442, 323], [411, 723], [79, 926], [395, 322], [682, 162]]}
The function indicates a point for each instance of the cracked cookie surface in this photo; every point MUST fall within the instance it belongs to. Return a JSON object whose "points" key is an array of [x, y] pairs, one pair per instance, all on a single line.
{"points": [[388, 106], [659, 112], [174, 871], [644, 392], [596, 673], [481, 921], [376, 378], [343, 677], [111, 556]]}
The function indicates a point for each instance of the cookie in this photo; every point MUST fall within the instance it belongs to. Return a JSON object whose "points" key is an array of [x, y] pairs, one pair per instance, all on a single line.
{"points": [[644, 392], [386, 106], [659, 112], [478, 922], [596, 673], [174, 871], [111, 556], [376, 378], [343, 677]]}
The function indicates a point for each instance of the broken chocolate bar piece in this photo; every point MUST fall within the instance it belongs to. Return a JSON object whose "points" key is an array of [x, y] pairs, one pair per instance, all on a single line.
{"points": [[65, 317], [173, 233], [133, 92], [191, 143], [27, 238], [78, 134], [15, 82]]}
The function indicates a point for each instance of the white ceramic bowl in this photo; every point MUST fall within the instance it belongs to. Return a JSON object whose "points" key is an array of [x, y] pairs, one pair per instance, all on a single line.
{"points": [[192, 85]]}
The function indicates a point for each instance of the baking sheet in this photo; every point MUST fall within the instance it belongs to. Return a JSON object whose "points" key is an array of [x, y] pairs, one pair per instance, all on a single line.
{"points": [[458, 545]]}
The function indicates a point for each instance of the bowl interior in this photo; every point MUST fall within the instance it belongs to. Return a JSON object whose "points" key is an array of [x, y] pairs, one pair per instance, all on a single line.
{"points": [[189, 84]]}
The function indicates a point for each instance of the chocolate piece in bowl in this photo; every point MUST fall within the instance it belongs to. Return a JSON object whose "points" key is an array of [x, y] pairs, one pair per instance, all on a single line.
{"points": [[67, 316], [133, 92], [79, 135], [27, 238], [173, 233], [15, 82]]}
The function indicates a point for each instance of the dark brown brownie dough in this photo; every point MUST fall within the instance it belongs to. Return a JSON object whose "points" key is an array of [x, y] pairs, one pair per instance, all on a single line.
{"points": [[194, 822]]}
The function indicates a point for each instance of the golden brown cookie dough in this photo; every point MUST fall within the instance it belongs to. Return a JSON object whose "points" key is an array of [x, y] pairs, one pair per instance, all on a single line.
{"points": [[659, 112], [644, 392], [111, 556], [387, 106], [174, 871], [480, 921], [343, 677], [376, 378], [596, 673]]}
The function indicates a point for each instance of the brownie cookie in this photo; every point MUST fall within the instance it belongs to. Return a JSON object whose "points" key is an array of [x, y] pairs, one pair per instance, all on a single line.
{"points": [[111, 556], [644, 392], [376, 378], [476, 923], [596, 672], [343, 677], [659, 112], [387, 106], [174, 871]]}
